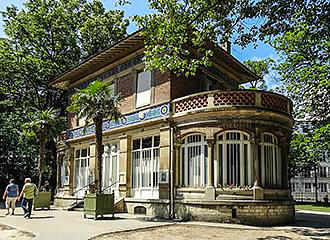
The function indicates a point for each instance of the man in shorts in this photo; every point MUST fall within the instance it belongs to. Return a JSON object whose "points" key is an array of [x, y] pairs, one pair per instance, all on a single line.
{"points": [[11, 194], [28, 193]]}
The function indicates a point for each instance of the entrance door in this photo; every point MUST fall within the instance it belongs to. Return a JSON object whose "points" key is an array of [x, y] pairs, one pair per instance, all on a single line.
{"points": [[110, 179], [81, 171]]}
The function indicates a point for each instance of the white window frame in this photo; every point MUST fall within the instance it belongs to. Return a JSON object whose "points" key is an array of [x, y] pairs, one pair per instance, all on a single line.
{"points": [[197, 173], [143, 92], [272, 176], [83, 162], [245, 170], [150, 170], [111, 150]]}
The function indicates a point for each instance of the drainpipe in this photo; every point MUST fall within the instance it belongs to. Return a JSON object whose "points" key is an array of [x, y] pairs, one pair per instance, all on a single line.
{"points": [[172, 214]]}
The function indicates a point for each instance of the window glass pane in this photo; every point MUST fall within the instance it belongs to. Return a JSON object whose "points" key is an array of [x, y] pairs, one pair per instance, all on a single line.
{"points": [[143, 92], [77, 153], [147, 142], [136, 144], [156, 141], [84, 152], [220, 138]]}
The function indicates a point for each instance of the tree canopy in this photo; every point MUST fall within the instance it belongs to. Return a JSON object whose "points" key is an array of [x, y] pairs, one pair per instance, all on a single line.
{"points": [[44, 39]]}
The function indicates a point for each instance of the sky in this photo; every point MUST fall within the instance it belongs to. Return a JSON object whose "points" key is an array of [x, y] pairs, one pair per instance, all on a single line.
{"points": [[140, 7]]}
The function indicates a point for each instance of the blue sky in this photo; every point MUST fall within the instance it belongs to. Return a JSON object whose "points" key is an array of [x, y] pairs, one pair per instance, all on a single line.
{"points": [[140, 7]]}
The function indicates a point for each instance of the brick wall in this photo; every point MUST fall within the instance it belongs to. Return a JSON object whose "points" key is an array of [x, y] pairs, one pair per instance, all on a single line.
{"points": [[182, 86], [162, 85], [125, 86]]}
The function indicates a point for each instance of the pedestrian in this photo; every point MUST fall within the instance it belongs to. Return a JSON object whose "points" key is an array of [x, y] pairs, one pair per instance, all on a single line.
{"points": [[10, 195], [28, 193]]}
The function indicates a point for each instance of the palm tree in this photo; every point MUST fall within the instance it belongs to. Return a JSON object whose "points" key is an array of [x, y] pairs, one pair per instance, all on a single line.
{"points": [[43, 125], [96, 102]]}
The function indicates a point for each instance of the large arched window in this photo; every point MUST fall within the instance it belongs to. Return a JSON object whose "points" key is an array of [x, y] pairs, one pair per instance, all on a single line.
{"points": [[235, 167], [194, 165], [270, 161]]}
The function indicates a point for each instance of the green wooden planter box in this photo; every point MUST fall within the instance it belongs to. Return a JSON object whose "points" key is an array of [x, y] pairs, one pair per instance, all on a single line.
{"points": [[99, 204], [42, 200]]}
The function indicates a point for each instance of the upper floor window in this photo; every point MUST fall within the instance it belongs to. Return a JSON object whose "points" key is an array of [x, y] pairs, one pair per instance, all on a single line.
{"points": [[143, 89]]}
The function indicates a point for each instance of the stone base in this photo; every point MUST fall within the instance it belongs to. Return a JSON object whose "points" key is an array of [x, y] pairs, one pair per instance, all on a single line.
{"points": [[65, 201], [260, 213]]}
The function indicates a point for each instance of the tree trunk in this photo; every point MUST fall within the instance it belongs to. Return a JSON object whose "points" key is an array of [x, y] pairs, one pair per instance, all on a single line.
{"points": [[42, 152], [99, 137]]}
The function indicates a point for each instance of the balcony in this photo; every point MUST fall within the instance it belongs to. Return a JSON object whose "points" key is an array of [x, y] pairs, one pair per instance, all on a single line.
{"points": [[227, 99]]}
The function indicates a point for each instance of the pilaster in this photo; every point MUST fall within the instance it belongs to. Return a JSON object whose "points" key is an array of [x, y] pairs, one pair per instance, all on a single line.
{"points": [[125, 166]]}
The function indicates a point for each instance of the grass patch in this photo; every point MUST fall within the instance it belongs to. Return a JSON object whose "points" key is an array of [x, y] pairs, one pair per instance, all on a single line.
{"points": [[313, 207]]}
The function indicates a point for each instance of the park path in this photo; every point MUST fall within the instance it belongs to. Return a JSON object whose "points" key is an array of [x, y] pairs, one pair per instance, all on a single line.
{"points": [[63, 225]]}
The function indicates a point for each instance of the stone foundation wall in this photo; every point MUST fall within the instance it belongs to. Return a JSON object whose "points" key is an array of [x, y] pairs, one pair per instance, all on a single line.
{"points": [[262, 213]]}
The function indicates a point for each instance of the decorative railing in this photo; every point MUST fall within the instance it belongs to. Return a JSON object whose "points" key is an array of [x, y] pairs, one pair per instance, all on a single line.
{"points": [[232, 98]]}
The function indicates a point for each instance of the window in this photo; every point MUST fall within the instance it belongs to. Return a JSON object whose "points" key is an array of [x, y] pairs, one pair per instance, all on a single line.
{"points": [[143, 89], [82, 169], [235, 167], [270, 161], [323, 187], [308, 187], [194, 165], [145, 162], [293, 187], [323, 172]]}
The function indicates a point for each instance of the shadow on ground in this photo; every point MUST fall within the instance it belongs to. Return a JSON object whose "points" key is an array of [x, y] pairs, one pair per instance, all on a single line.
{"points": [[311, 225], [275, 238]]}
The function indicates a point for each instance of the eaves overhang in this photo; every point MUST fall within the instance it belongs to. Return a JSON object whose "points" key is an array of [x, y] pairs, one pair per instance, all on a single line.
{"points": [[97, 61]]}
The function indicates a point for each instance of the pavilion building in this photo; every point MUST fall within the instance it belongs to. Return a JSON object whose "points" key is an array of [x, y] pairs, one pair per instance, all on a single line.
{"points": [[194, 148]]}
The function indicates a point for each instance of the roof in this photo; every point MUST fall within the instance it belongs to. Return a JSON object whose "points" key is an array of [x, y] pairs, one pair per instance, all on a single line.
{"points": [[124, 47], [97, 61]]}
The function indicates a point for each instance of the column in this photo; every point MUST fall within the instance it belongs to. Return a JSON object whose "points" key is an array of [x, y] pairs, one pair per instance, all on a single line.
{"points": [[59, 161], [125, 166], [177, 160], [69, 157], [164, 162], [284, 145], [258, 193], [93, 168], [210, 191]]}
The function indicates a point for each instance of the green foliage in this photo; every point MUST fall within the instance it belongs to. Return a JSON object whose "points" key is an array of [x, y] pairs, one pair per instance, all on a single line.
{"points": [[307, 149], [305, 69], [43, 40], [44, 122], [176, 27], [96, 101], [261, 68]]}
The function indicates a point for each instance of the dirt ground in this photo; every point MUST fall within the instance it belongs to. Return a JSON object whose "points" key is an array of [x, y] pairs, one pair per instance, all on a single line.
{"points": [[184, 232], [14, 234]]}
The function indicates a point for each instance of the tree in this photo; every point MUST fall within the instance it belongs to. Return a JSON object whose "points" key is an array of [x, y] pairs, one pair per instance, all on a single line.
{"points": [[174, 27], [44, 124], [96, 102], [304, 69], [42, 40], [261, 68]]}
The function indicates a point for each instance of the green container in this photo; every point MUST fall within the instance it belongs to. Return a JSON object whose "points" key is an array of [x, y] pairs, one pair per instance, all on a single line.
{"points": [[42, 200], [99, 204]]}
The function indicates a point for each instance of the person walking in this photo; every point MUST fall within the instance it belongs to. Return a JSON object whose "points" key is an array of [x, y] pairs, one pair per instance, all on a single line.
{"points": [[28, 193], [10, 195]]}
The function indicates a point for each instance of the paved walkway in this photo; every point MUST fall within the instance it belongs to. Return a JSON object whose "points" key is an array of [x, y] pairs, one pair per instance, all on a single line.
{"points": [[62, 225]]}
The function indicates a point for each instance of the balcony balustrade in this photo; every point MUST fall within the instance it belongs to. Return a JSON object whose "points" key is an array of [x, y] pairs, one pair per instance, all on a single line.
{"points": [[239, 98]]}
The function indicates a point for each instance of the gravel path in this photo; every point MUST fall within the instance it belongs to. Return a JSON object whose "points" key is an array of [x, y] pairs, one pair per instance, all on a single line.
{"points": [[14, 234], [183, 232]]}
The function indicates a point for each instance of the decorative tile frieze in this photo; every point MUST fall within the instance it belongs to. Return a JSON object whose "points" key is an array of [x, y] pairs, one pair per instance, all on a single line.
{"points": [[129, 119]]}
